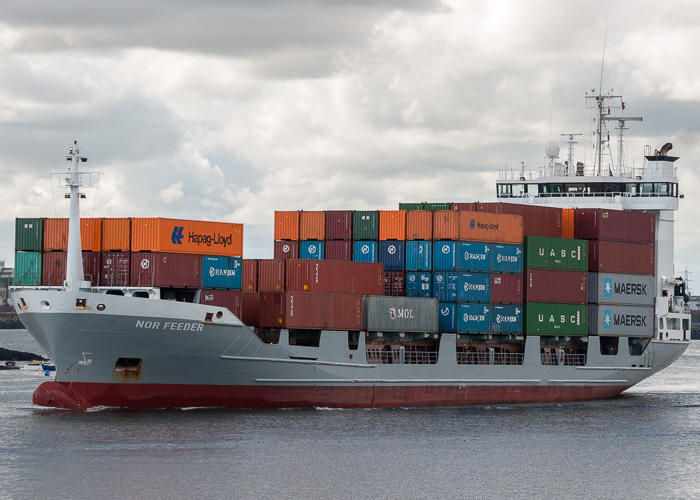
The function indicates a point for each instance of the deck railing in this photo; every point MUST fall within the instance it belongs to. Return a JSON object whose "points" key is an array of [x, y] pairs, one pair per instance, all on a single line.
{"points": [[563, 359]]}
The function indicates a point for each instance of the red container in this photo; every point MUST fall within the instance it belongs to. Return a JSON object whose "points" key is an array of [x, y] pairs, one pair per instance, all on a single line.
{"points": [[180, 270], [286, 249], [537, 221], [312, 225], [419, 225], [470, 207], [271, 275], [250, 309], [556, 286], [339, 225], [115, 268], [249, 275], [614, 225], [445, 225], [506, 288], [339, 250], [394, 283], [54, 268], [620, 257], [230, 299], [322, 311], [334, 276]]}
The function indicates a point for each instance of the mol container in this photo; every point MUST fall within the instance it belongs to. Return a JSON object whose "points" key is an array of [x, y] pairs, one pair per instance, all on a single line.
{"points": [[392, 224], [418, 284], [568, 320], [286, 225], [115, 268], [186, 236], [620, 321], [335, 276], [29, 235], [338, 250], [490, 228], [506, 288], [394, 283], [116, 235], [627, 289], [230, 299], [338, 224], [447, 317], [56, 234], [537, 220], [221, 272], [506, 319], [419, 225], [392, 255], [556, 253], [400, 314], [445, 255], [286, 249], [312, 225], [445, 225], [444, 286], [474, 257], [166, 269], [364, 251], [28, 268], [473, 318], [621, 257], [506, 258], [312, 249], [419, 256], [557, 286], [54, 268], [474, 287], [616, 225], [365, 225]]}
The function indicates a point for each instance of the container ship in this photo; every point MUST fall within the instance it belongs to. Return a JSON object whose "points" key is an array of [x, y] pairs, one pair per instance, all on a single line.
{"points": [[561, 290]]}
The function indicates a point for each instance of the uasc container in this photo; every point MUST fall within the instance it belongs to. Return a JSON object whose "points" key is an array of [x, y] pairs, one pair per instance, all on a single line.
{"points": [[569, 320], [186, 236], [621, 321], [556, 253], [625, 289], [400, 314]]}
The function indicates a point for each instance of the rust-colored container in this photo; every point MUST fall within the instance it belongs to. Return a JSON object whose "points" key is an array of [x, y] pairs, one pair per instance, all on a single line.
{"points": [[54, 268], [556, 286], [166, 269], [230, 299], [567, 223], [271, 275], [470, 207], [56, 234], [322, 311], [249, 275], [338, 250], [620, 257], [339, 224], [116, 235], [186, 237], [286, 225], [334, 276], [250, 308], [312, 225], [419, 225], [115, 268], [537, 220], [392, 224], [506, 288], [445, 225], [614, 225], [490, 227], [394, 283], [286, 249]]}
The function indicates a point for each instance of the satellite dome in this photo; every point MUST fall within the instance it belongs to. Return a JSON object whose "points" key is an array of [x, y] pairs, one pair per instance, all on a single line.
{"points": [[551, 149]]}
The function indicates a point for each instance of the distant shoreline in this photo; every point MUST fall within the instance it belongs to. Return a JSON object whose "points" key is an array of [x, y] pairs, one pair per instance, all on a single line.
{"points": [[11, 355]]}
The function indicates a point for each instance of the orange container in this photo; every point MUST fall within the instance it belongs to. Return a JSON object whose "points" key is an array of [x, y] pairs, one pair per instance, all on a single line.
{"points": [[419, 225], [392, 224], [116, 235], [445, 225], [490, 228], [56, 235], [186, 236], [286, 225], [567, 222], [312, 225]]}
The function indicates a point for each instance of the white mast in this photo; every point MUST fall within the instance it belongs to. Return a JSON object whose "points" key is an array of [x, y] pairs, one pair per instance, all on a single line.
{"points": [[74, 262]]}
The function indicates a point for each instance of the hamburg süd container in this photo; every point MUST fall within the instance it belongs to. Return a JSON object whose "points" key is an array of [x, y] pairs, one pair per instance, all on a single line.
{"points": [[474, 287], [312, 225], [394, 284], [29, 235], [418, 284], [116, 235], [620, 257], [54, 268], [620, 321], [166, 269], [445, 255], [624, 289], [392, 254], [335, 276], [249, 275], [537, 220], [392, 224], [365, 225], [56, 234], [338, 250], [186, 236], [419, 225], [506, 258], [569, 320], [272, 275], [490, 228], [364, 251], [444, 286], [400, 314], [506, 319], [28, 268], [221, 272], [474, 257], [506, 288], [312, 249], [286, 225], [447, 317], [230, 299], [286, 249], [615, 225], [556, 286], [473, 318], [339, 224], [556, 253], [419, 256], [115, 269], [445, 225]]}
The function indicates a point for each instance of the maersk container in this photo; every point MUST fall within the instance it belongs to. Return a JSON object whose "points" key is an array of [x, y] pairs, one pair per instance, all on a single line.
{"points": [[537, 220], [620, 321], [221, 272], [312, 225], [556, 286], [338, 250], [116, 235], [338, 224], [249, 275], [419, 225], [286, 225], [418, 284], [115, 268], [28, 268], [445, 255], [506, 319], [400, 314], [556, 253], [447, 317], [445, 286], [365, 225], [569, 320], [419, 256], [624, 289], [445, 225], [54, 268], [29, 235], [616, 225], [230, 299], [473, 318], [166, 269], [392, 254], [506, 258], [620, 257], [474, 257], [364, 251], [474, 287], [272, 275], [286, 249], [394, 284], [335, 276], [506, 288], [312, 250]]}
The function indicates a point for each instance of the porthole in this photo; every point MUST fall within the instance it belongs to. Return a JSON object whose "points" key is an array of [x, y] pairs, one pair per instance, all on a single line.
{"points": [[219, 315], [101, 307], [45, 305]]}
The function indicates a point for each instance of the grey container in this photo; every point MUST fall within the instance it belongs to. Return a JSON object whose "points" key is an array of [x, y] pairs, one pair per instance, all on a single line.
{"points": [[624, 289], [400, 314], [620, 321]]}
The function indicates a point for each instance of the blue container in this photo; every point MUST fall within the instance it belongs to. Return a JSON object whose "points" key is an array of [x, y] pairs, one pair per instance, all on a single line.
{"points": [[444, 255], [447, 317], [445, 286], [392, 254], [474, 287], [473, 318], [364, 251], [419, 256], [474, 257], [312, 250], [417, 284], [221, 272], [506, 319], [507, 259]]}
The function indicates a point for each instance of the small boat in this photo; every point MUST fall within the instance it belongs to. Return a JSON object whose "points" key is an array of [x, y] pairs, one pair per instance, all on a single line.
{"points": [[48, 367], [35, 362], [10, 365]]}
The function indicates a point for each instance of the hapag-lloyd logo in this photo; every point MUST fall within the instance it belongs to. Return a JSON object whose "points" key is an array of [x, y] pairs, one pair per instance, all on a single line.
{"points": [[200, 239], [400, 313]]}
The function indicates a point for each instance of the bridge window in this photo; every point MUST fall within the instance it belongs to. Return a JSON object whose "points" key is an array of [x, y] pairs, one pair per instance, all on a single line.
{"points": [[511, 190]]}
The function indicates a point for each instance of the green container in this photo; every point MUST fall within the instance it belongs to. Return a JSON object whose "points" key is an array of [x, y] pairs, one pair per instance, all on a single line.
{"points": [[411, 206], [29, 235], [556, 253], [365, 225], [438, 206], [556, 319], [28, 268]]}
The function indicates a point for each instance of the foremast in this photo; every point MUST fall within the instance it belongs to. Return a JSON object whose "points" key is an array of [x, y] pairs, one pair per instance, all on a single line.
{"points": [[75, 278]]}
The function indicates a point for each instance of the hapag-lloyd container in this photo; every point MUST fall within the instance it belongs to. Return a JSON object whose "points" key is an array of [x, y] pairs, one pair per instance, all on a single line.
{"points": [[419, 256], [272, 275], [447, 317], [616, 225], [56, 234], [166, 269], [445, 255], [312, 249], [506, 319], [54, 268], [338, 250], [490, 228], [115, 269], [400, 314], [556, 253], [286, 225], [474, 257], [28, 266], [392, 224], [365, 225], [230, 299], [473, 318], [474, 287], [339, 225], [568, 320], [419, 225], [364, 251], [394, 284], [29, 235], [418, 284], [249, 275], [116, 235], [620, 321], [556, 286], [445, 225], [221, 272], [312, 225], [392, 254], [186, 236], [286, 249], [537, 220], [506, 258], [624, 289], [620, 257], [506, 288], [334, 276]]}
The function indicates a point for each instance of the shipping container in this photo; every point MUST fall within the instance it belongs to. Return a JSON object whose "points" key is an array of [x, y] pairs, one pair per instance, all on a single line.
{"points": [[568, 223], [56, 234], [312, 250], [394, 283], [438, 206], [115, 269], [392, 254], [418, 284], [364, 251], [567, 320], [412, 206], [537, 220], [490, 228], [447, 317], [272, 275], [392, 224], [28, 268], [365, 225], [469, 207], [419, 225], [339, 225], [221, 272], [400, 314], [620, 257], [116, 235], [270, 310], [286, 225], [556, 253], [286, 249], [250, 309], [249, 275], [322, 311], [506, 288], [556, 286], [620, 321], [166, 269], [474, 287], [445, 225], [506, 258], [506, 319], [54, 268], [444, 286], [615, 225], [335, 276], [624, 289], [473, 318], [338, 250], [312, 225], [445, 255], [230, 299], [29, 235], [419, 256], [186, 236], [474, 256]]}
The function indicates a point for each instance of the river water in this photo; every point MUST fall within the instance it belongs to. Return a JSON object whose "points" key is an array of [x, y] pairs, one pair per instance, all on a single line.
{"points": [[643, 444]]}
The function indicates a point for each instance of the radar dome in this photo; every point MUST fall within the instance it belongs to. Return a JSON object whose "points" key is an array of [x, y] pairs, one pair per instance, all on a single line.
{"points": [[551, 149]]}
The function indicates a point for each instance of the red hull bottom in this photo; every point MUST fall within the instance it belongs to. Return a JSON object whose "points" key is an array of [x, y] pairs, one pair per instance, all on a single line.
{"points": [[82, 396]]}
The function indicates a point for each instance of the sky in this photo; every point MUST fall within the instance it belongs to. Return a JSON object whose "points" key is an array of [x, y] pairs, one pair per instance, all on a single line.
{"points": [[230, 110]]}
